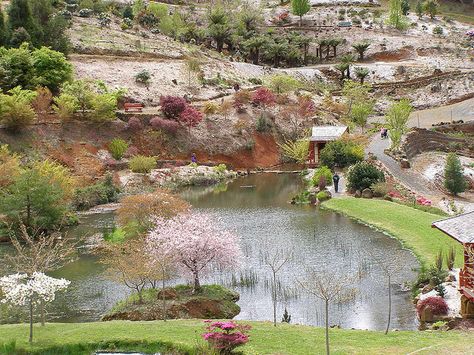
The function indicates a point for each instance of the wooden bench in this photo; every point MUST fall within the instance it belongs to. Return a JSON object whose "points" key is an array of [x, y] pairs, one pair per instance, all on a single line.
{"points": [[130, 106]]}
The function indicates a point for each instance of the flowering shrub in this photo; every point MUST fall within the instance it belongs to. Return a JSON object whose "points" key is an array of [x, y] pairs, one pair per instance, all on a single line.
{"points": [[21, 289], [436, 304], [172, 106], [190, 117], [226, 336], [263, 97], [134, 124], [165, 125], [423, 201]]}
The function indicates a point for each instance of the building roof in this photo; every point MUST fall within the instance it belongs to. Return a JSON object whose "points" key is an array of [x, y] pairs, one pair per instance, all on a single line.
{"points": [[459, 227], [327, 133]]}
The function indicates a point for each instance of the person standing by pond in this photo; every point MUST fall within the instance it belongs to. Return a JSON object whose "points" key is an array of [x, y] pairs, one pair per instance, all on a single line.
{"points": [[335, 179]]}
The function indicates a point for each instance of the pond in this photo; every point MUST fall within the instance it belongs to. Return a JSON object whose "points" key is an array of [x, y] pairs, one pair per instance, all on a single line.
{"points": [[256, 208]]}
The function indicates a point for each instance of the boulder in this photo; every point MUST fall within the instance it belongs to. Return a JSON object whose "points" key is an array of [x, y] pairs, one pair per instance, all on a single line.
{"points": [[357, 194], [427, 289], [367, 193], [404, 163], [426, 315], [450, 278]]}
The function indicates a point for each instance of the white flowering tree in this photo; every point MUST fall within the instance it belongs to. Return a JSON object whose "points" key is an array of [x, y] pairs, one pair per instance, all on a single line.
{"points": [[195, 242], [23, 290]]}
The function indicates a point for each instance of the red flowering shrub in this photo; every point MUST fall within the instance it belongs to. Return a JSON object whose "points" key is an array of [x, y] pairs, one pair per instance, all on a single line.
{"points": [[190, 117], [134, 124], [165, 125], [306, 107], [172, 106], [226, 336], [436, 304], [263, 97]]}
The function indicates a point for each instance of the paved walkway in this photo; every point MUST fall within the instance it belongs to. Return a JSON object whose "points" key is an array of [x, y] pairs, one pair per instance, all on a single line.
{"points": [[406, 176]]}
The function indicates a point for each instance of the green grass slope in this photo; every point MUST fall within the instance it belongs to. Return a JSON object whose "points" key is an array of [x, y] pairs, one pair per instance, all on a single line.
{"points": [[411, 226], [265, 339]]}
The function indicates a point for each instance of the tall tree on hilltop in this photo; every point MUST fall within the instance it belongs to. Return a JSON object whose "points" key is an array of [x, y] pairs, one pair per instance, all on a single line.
{"points": [[300, 8]]}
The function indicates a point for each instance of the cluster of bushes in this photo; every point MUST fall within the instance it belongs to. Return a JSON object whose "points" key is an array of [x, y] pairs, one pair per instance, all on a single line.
{"points": [[176, 110], [39, 22], [97, 194], [32, 68], [44, 188], [93, 101], [363, 175], [341, 153]]}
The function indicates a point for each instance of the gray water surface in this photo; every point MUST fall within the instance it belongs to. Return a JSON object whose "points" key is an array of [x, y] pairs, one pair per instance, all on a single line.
{"points": [[256, 209]]}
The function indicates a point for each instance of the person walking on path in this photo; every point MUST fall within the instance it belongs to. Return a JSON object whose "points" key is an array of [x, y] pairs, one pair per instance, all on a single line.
{"points": [[335, 179]]}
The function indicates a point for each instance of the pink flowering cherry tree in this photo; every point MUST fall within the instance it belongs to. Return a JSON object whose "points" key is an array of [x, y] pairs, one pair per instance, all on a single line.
{"points": [[195, 242], [25, 290]]}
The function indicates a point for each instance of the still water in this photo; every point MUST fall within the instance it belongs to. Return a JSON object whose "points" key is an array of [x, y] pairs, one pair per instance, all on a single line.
{"points": [[256, 209]]}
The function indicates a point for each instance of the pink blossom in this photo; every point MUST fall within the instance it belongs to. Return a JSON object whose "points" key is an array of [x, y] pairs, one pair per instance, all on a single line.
{"points": [[195, 242]]}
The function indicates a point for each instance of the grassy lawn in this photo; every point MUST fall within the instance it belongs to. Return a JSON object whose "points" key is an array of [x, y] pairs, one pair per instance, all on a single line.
{"points": [[411, 226], [265, 339]]}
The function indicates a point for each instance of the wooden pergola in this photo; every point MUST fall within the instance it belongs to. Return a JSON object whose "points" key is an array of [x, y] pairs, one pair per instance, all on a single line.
{"points": [[461, 229]]}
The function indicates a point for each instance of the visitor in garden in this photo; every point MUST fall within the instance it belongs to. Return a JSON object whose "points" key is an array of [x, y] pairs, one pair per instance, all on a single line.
{"points": [[385, 133], [193, 158], [335, 179], [382, 132]]}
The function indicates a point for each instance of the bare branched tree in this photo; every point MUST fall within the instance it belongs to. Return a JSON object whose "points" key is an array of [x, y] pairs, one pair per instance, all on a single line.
{"points": [[275, 259], [131, 264], [391, 267], [330, 288], [37, 252]]}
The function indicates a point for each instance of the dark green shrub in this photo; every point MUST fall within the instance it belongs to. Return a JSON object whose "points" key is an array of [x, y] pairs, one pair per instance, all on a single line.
{"points": [[363, 175], [322, 172], [118, 147], [323, 196], [454, 179], [97, 194], [341, 153]]}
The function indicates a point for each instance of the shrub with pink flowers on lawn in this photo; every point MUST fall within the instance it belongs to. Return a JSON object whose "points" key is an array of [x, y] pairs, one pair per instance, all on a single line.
{"points": [[226, 336]]}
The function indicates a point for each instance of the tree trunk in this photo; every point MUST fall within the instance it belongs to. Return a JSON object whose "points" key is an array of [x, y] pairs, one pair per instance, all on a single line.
{"points": [[389, 305], [257, 54], [334, 51], [274, 299], [31, 321], [327, 326], [305, 54], [163, 296], [301, 20], [43, 315], [197, 284]]}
